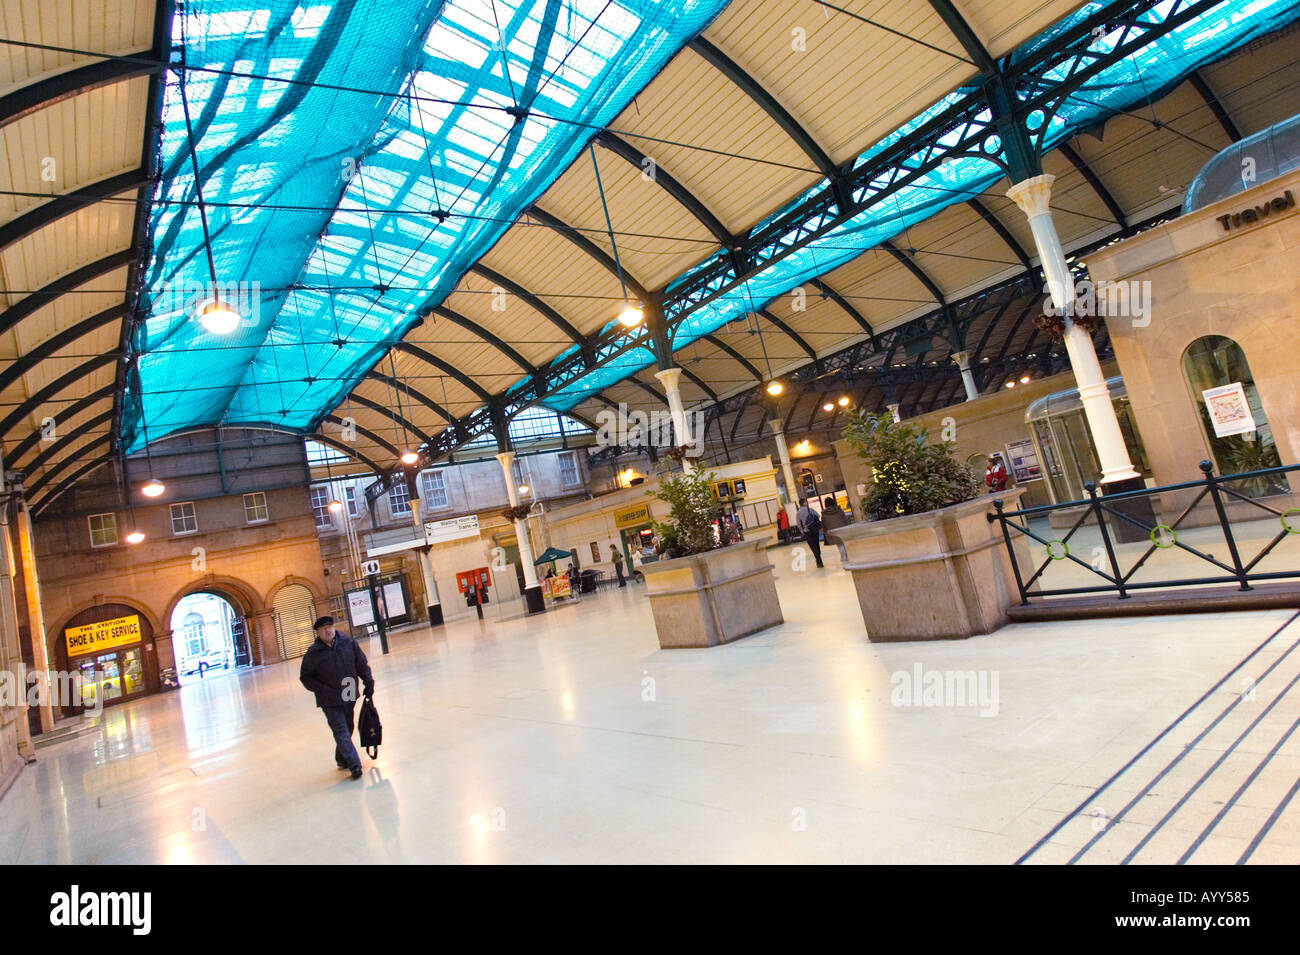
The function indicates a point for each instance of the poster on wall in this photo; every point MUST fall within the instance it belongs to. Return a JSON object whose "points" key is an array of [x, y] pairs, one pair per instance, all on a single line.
{"points": [[359, 612], [1023, 460], [1229, 410], [393, 600]]}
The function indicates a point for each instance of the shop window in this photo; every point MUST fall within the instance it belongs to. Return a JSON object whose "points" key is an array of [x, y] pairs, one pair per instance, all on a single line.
{"points": [[569, 476], [255, 511], [399, 500], [1233, 422], [184, 520], [435, 490], [320, 507], [103, 530]]}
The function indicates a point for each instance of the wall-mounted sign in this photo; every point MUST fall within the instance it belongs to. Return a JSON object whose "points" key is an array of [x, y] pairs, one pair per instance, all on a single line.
{"points": [[454, 528], [1024, 461], [370, 567], [1270, 207], [359, 612], [105, 635], [722, 489], [632, 517], [1229, 410], [739, 485]]}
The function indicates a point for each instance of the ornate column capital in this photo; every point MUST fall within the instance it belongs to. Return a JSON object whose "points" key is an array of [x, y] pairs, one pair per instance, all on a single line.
{"points": [[671, 378], [1033, 196]]}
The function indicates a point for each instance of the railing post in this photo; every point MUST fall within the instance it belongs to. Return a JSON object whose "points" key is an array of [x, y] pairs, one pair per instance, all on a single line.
{"points": [[1011, 551], [1091, 488], [1213, 483]]}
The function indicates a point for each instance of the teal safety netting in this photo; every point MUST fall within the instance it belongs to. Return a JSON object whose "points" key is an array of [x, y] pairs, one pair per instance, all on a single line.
{"points": [[309, 118], [1142, 77]]}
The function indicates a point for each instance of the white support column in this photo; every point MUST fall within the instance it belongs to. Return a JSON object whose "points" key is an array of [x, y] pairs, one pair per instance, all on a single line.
{"points": [[893, 410], [432, 603], [791, 490], [532, 589], [1033, 197], [962, 358], [671, 378]]}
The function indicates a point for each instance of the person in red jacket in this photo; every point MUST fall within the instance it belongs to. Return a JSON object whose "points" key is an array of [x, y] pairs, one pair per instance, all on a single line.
{"points": [[783, 525], [995, 475]]}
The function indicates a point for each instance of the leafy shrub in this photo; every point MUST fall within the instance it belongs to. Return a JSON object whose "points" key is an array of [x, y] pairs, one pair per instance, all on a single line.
{"points": [[692, 509], [911, 476]]}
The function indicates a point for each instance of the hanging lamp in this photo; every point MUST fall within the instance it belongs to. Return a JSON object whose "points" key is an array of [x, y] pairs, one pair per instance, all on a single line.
{"points": [[632, 314], [217, 316]]}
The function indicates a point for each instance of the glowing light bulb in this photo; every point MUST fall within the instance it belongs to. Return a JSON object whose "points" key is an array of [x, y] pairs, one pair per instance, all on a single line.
{"points": [[335, 505], [219, 318], [1024, 380], [1011, 384], [135, 537], [829, 406], [153, 488], [409, 457], [774, 388], [631, 316], [844, 401]]}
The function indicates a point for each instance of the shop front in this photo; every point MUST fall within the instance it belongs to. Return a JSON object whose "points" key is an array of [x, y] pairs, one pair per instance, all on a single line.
{"points": [[111, 646]]}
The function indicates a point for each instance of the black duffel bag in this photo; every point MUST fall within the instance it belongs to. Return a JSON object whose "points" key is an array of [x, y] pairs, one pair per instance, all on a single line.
{"points": [[369, 729]]}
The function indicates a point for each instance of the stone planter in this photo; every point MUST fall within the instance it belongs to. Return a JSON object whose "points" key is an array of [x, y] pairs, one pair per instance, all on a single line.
{"points": [[712, 598], [942, 575]]}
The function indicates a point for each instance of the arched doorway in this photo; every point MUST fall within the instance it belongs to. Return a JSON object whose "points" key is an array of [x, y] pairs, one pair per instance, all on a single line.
{"points": [[209, 637], [1231, 413]]}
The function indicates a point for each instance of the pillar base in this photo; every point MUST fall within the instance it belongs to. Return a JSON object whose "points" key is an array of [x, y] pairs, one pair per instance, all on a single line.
{"points": [[435, 615], [1138, 508], [534, 600]]}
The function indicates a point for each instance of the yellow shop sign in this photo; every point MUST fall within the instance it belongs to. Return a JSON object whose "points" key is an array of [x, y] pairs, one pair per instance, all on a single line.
{"points": [[632, 516], [93, 637]]}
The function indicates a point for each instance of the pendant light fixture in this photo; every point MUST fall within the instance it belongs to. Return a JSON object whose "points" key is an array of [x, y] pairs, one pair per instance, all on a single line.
{"points": [[632, 314], [217, 316], [152, 487]]}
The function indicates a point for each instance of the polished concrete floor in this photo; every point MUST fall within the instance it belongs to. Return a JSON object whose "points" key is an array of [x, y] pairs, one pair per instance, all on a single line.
{"points": [[573, 738]]}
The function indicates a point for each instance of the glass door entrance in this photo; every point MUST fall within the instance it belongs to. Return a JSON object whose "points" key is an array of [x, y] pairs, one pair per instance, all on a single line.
{"points": [[110, 677]]}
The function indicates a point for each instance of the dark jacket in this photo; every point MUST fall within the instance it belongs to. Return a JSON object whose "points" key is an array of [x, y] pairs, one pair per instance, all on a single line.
{"points": [[328, 670]]}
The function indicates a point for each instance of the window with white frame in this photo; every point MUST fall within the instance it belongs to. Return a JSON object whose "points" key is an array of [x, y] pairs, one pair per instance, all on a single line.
{"points": [[399, 501], [320, 506], [103, 530], [255, 511], [184, 520], [435, 490], [350, 495], [569, 475]]}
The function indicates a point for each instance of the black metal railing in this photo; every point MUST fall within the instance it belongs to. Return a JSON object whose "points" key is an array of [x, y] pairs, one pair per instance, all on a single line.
{"points": [[1134, 509]]}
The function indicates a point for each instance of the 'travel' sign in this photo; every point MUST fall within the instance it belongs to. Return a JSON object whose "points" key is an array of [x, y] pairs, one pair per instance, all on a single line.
{"points": [[105, 635], [1235, 220]]}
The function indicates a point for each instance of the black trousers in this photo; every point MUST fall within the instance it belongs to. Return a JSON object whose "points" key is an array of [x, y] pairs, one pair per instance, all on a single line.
{"points": [[812, 539], [618, 569]]}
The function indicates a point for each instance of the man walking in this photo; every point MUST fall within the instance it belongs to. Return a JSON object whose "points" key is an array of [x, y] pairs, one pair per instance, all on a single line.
{"points": [[333, 668], [810, 525], [617, 556]]}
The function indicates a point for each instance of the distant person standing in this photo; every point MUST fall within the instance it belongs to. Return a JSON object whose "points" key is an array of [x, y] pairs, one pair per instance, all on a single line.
{"points": [[995, 475], [783, 526], [810, 525], [334, 668], [832, 517], [616, 556]]}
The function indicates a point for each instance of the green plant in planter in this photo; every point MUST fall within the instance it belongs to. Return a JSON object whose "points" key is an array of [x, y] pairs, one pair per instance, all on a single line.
{"points": [[692, 509], [911, 475]]}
